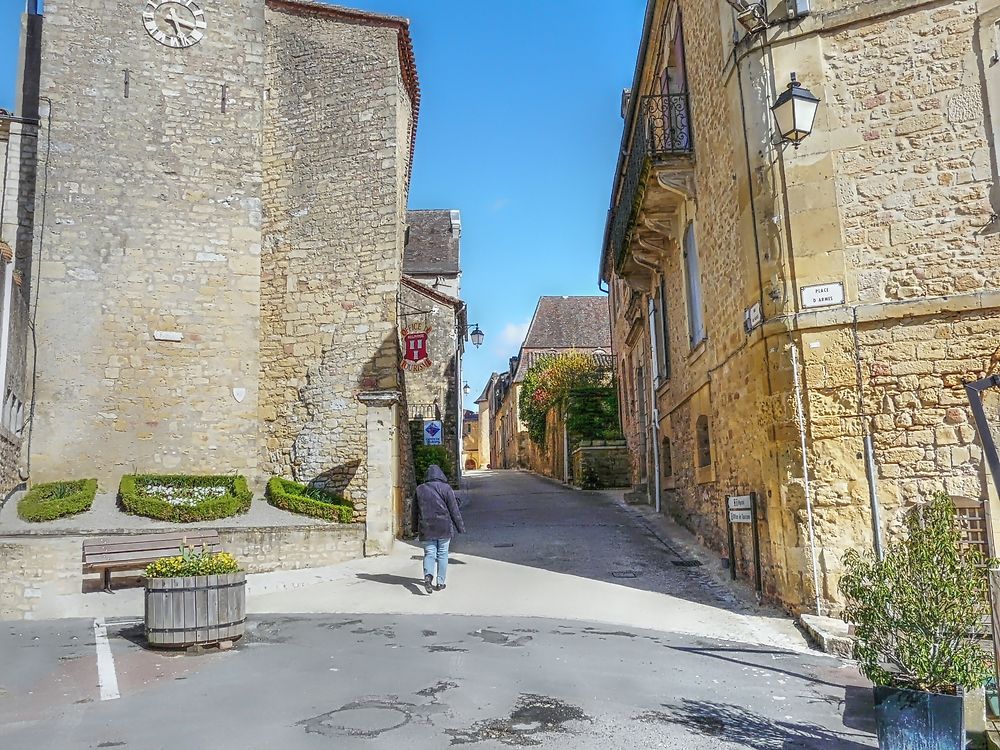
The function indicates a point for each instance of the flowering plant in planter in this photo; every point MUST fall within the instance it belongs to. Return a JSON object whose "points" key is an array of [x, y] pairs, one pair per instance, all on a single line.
{"points": [[918, 614], [193, 563], [194, 599]]}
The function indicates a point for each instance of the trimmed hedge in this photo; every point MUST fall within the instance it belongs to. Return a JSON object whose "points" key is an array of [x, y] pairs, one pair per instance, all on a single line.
{"points": [[46, 502], [298, 498], [133, 499]]}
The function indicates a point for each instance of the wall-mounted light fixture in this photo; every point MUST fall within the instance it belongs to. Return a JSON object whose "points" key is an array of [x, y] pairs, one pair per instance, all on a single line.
{"points": [[466, 390], [795, 112], [476, 334]]}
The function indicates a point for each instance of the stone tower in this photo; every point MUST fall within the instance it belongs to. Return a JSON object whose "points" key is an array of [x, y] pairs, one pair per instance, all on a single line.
{"points": [[220, 249]]}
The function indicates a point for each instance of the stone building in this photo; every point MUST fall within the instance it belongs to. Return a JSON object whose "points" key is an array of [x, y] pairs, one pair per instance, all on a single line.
{"points": [[434, 319], [484, 405], [559, 325], [471, 459], [222, 244], [859, 270], [18, 146]]}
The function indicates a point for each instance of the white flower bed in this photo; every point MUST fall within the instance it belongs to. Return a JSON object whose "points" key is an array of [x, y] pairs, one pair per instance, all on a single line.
{"points": [[183, 495]]}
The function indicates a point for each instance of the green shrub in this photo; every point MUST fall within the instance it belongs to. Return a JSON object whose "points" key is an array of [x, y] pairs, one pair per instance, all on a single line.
{"points": [[46, 502], [192, 562], [195, 498], [917, 612], [308, 501], [425, 455]]}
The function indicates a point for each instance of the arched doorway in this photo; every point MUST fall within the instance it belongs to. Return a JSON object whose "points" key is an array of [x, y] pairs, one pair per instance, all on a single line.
{"points": [[470, 464]]}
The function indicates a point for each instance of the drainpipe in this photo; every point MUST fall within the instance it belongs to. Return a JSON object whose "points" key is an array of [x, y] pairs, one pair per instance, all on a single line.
{"points": [[805, 474], [654, 412]]}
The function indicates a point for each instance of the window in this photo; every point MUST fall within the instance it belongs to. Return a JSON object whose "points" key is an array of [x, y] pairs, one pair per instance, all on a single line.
{"points": [[696, 317], [662, 333], [704, 440]]}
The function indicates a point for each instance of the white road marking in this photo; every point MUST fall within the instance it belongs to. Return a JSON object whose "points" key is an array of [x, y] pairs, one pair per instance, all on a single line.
{"points": [[107, 679]]}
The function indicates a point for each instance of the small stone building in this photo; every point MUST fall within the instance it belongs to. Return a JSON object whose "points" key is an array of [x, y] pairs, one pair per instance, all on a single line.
{"points": [[858, 274], [559, 325], [221, 243], [430, 310]]}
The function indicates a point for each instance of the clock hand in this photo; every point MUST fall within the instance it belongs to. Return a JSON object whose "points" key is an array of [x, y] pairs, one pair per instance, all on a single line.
{"points": [[179, 22]]}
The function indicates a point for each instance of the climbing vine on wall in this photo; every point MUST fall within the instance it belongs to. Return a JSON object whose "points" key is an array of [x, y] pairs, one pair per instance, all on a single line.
{"points": [[577, 380]]}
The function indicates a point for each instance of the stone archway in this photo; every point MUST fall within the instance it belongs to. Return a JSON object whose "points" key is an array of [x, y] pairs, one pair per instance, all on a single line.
{"points": [[470, 464]]}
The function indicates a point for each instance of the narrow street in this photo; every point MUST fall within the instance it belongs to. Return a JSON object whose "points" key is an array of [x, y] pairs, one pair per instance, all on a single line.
{"points": [[566, 624]]}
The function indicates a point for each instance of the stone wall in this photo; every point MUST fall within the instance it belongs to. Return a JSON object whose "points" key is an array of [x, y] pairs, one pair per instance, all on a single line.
{"points": [[333, 197], [891, 197], [43, 575], [148, 301], [437, 383], [602, 465]]}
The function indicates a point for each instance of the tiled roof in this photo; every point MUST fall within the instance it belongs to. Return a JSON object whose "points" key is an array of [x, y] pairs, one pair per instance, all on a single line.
{"points": [[530, 358], [432, 243], [570, 323], [486, 388]]}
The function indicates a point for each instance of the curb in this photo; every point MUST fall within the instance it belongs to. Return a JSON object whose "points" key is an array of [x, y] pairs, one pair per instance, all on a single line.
{"points": [[829, 635]]}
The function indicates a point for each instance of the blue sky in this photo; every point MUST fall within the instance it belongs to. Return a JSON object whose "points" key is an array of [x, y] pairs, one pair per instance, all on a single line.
{"points": [[519, 129]]}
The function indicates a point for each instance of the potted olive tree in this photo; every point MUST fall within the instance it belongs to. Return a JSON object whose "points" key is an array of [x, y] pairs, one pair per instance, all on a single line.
{"points": [[918, 614], [196, 598]]}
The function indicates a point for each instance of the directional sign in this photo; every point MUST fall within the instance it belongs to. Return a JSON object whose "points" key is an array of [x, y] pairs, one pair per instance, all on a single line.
{"points": [[739, 502], [432, 432], [740, 516]]}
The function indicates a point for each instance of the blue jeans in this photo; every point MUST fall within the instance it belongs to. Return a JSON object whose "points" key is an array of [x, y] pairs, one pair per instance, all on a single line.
{"points": [[436, 551]]}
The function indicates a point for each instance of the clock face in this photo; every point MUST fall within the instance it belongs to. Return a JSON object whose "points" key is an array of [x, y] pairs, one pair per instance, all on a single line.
{"points": [[175, 23]]}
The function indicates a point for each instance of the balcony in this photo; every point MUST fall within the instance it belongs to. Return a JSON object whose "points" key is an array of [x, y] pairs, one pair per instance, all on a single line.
{"points": [[658, 178]]}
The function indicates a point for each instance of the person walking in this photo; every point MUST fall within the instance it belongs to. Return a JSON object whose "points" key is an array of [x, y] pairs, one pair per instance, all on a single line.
{"points": [[439, 520]]}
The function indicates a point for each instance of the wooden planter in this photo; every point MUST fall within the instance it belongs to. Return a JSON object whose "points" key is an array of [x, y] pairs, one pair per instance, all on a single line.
{"points": [[195, 610]]}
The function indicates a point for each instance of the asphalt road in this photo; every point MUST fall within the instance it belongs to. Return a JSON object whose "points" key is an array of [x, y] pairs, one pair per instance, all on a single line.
{"points": [[385, 681], [447, 670]]}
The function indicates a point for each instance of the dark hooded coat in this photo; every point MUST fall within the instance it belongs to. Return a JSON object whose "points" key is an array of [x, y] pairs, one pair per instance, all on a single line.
{"points": [[437, 507]]}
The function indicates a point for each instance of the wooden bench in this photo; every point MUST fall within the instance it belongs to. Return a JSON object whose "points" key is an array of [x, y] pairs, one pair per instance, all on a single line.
{"points": [[136, 552]]}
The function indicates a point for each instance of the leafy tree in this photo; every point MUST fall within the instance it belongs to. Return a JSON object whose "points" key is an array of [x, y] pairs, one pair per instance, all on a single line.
{"points": [[552, 380], [919, 610]]}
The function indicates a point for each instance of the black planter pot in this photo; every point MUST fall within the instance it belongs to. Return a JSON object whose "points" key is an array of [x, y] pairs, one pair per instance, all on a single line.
{"points": [[914, 720]]}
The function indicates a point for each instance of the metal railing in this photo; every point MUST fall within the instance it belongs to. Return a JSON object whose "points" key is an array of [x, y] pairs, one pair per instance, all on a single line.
{"points": [[662, 129]]}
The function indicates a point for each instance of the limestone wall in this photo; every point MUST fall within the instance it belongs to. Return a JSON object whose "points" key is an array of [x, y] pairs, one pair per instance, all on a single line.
{"points": [[606, 464], [336, 151], [43, 575], [152, 224], [891, 197], [437, 383]]}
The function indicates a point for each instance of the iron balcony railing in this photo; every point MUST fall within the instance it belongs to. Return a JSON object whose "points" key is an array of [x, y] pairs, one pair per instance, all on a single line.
{"points": [[662, 129]]}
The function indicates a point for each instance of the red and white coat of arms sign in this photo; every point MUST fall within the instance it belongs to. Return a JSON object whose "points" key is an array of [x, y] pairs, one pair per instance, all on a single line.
{"points": [[416, 349]]}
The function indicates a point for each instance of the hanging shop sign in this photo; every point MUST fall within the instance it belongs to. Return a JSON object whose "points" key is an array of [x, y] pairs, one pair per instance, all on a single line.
{"points": [[416, 349]]}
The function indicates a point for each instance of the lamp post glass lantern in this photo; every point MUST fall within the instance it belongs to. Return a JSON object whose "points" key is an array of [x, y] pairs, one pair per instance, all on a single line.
{"points": [[795, 112], [477, 336], [466, 390]]}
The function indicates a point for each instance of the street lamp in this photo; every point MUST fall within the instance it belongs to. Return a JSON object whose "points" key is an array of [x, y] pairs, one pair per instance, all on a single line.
{"points": [[476, 334], [466, 390], [795, 112]]}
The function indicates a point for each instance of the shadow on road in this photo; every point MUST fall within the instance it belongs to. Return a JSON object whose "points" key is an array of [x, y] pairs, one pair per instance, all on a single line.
{"points": [[517, 517], [744, 728], [413, 585]]}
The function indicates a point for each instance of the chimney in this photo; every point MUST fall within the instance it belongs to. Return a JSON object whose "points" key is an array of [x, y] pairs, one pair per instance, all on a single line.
{"points": [[456, 222]]}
